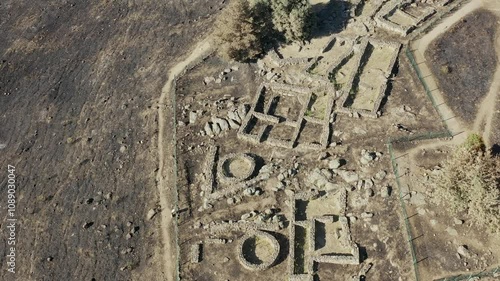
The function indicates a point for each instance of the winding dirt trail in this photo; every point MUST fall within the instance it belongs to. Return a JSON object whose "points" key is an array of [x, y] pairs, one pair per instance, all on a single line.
{"points": [[485, 113], [486, 110], [167, 172]]}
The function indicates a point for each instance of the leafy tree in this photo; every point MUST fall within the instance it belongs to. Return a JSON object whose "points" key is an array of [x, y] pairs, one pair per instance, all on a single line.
{"points": [[236, 32], [293, 18], [470, 181]]}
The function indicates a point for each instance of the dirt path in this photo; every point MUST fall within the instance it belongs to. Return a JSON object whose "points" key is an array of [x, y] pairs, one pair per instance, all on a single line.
{"points": [[167, 172], [487, 108]]}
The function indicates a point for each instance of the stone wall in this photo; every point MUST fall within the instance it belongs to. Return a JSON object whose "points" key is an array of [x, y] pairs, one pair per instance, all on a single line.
{"points": [[196, 250], [224, 227], [280, 62], [266, 264], [224, 175], [374, 113], [244, 133], [209, 170]]}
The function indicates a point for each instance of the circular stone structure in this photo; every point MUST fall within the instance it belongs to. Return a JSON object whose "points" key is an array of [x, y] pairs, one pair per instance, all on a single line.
{"points": [[258, 250], [236, 167]]}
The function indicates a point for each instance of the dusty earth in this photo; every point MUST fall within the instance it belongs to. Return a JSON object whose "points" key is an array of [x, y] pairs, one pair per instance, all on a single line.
{"points": [[80, 84], [87, 110]]}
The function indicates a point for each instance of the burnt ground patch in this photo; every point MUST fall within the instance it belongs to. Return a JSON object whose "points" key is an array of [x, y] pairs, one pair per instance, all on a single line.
{"points": [[79, 83], [464, 60]]}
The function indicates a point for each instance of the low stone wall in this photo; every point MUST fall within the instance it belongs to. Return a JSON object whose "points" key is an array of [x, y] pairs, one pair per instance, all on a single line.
{"points": [[266, 264], [223, 228], [244, 133], [276, 60], [220, 241], [336, 259], [343, 201], [374, 113], [209, 170], [382, 16], [265, 117], [279, 142], [196, 250], [314, 120], [225, 175]]}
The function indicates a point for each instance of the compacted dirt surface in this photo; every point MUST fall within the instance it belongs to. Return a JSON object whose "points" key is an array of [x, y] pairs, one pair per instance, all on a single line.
{"points": [[79, 90]]}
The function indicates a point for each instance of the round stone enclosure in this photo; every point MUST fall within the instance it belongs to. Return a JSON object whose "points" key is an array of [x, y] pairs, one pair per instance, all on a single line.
{"points": [[236, 167], [258, 250]]}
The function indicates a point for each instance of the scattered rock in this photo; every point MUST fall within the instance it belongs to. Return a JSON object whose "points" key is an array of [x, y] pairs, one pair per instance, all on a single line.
{"points": [[464, 251], [349, 176], [458, 221], [367, 157], [208, 130], [242, 111], [151, 213], [366, 215], [216, 129], [327, 173], [335, 164], [369, 192], [381, 175], [270, 75], [323, 156], [386, 191], [88, 225], [233, 124], [249, 191], [452, 231], [192, 117], [246, 216], [417, 199], [208, 80], [231, 201], [232, 115]]}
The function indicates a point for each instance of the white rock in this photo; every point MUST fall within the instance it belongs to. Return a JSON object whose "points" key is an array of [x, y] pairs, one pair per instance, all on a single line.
{"points": [[463, 251], [234, 116], [223, 124], [208, 130], [348, 176], [216, 129], [151, 213], [233, 124], [335, 164], [192, 117], [386, 191], [366, 215]]}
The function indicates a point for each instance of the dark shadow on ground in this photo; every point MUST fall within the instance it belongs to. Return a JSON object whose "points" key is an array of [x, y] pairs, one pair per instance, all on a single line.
{"points": [[495, 150], [284, 247], [331, 17]]}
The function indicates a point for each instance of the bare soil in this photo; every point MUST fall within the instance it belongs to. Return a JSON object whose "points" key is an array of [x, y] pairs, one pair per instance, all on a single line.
{"points": [[464, 60], [79, 84]]}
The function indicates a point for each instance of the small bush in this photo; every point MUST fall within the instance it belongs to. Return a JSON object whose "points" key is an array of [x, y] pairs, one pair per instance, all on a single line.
{"points": [[470, 182]]}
